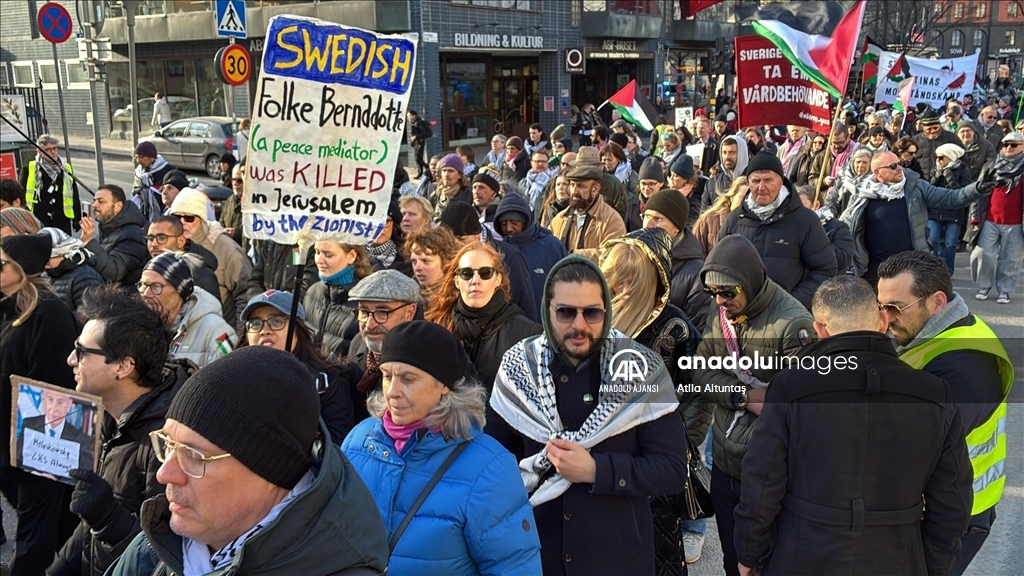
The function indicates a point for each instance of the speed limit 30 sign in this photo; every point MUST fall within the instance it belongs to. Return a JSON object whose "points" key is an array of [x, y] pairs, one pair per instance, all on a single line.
{"points": [[233, 64]]}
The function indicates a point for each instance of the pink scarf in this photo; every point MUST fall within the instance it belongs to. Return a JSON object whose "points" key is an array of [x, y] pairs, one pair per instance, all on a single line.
{"points": [[791, 152], [400, 434], [840, 159], [732, 344]]}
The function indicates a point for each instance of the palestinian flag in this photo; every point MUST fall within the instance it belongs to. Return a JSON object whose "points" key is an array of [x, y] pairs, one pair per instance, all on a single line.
{"points": [[869, 59], [900, 69], [634, 107], [819, 38], [903, 92]]}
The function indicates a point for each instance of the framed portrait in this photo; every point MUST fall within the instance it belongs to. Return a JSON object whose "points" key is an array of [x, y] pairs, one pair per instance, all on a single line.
{"points": [[54, 430]]}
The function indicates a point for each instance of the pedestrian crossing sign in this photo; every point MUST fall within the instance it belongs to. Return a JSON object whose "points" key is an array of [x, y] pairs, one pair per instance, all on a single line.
{"points": [[231, 18]]}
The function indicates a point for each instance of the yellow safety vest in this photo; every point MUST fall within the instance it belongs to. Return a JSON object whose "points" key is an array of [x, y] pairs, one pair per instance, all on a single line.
{"points": [[986, 444], [69, 198]]}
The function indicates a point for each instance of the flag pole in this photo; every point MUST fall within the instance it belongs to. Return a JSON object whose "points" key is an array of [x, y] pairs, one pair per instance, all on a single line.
{"points": [[818, 196]]}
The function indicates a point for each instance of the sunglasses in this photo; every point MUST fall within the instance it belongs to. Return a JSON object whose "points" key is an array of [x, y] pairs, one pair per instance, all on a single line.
{"points": [[727, 293], [159, 238], [186, 218], [567, 314], [894, 165], [897, 311], [1012, 144], [486, 273]]}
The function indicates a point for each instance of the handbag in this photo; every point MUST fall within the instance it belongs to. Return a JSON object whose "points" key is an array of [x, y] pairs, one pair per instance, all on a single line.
{"points": [[696, 498]]}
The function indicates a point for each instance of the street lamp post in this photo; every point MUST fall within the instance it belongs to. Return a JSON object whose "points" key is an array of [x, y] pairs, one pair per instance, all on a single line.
{"points": [[129, 14]]}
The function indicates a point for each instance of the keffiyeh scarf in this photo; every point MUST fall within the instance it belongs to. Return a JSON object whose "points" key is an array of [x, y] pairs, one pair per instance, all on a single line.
{"points": [[872, 189], [765, 212], [67, 247], [524, 395], [385, 253]]}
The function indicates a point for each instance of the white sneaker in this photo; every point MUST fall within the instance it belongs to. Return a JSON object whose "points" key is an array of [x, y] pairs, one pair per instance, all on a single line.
{"points": [[1004, 298], [692, 545]]}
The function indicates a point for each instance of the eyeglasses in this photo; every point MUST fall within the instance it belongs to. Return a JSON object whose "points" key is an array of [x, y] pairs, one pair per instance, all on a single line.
{"points": [[191, 461], [895, 310], [160, 238], [379, 316], [727, 293], [186, 217], [155, 288], [908, 152], [591, 314], [276, 323], [466, 274], [82, 350], [646, 184], [1012, 144]]}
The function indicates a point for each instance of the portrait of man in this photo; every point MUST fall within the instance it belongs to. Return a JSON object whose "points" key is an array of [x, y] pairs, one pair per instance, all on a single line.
{"points": [[54, 423]]}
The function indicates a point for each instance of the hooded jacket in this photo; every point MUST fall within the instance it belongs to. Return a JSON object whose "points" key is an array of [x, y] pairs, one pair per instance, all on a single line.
{"points": [[792, 243], [201, 335], [120, 253], [69, 281], [603, 222], [979, 153], [773, 325], [539, 246], [233, 270], [332, 526], [920, 196], [720, 182], [129, 465], [687, 289], [477, 519]]}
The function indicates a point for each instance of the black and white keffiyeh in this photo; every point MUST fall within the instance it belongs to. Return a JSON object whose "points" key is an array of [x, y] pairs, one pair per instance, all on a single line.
{"points": [[524, 395]]}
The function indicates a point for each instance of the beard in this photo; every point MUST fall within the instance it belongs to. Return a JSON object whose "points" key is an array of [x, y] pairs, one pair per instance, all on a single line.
{"points": [[578, 354], [373, 344], [579, 202]]}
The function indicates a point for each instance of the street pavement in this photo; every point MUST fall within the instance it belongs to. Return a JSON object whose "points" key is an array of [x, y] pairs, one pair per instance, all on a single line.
{"points": [[1001, 553]]}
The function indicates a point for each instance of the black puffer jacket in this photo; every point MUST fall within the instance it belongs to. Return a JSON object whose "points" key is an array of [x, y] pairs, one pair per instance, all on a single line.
{"points": [[687, 289], [69, 281], [273, 269], [129, 465], [955, 175], [120, 254], [841, 239], [331, 316], [791, 242]]}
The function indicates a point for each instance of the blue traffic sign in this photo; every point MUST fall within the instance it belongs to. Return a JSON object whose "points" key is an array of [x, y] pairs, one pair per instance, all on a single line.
{"points": [[231, 18], [54, 22]]}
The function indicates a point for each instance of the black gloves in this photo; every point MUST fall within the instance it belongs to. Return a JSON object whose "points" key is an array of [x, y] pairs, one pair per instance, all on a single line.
{"points": [[93, 499]]}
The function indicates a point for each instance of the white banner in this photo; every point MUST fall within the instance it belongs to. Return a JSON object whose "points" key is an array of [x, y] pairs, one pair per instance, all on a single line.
{"points": [[327, 127], [51, 455], [937, 80], [12, 107]]}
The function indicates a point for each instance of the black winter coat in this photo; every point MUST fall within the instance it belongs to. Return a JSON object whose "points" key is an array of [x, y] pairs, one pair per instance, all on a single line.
{"points": [[335, 386], [206, 276], [70, 281], [841, 239], [502, 331], [956, 175], [832, 452], [331, 316], [687, 291], [129, 465], [926, 151], [791, 242], [273, 270], [121, 253]]}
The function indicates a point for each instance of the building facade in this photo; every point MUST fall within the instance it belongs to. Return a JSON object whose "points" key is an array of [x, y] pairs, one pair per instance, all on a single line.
{"points": [[992, 28]]}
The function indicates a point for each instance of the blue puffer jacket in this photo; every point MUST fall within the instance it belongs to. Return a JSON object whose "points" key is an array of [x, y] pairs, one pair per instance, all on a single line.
{"points": [[477, 520], [538, 245]]}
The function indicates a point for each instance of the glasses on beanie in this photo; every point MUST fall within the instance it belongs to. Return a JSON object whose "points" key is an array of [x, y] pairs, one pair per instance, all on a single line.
{"points": [[379, 316], [155, 288], [160, 238], [727, 293], [467, 273], [186, 218], [276, 323], [897, 311], [191, 461], [567, 314]]}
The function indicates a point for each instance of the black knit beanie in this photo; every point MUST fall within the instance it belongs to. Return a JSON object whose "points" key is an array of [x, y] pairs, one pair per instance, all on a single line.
{"points": [[30, 251], [567, 142], [672, 204], [426, 346], [620, 139], [764, 160], [461, 218], [486, 179], [176, 178], [176, 271], [258, 404], [651, 170]]}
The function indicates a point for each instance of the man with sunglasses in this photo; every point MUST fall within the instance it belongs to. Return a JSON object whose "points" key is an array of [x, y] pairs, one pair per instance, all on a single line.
{"points": [[252, 483], [996, 260], [752, 315], [121, 356], [590, 478], [928, 141], [936, 332], [120, 251]]}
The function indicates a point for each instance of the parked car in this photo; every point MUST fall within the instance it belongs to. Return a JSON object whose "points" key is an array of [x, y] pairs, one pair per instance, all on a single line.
{"points": [[217, 196], [181, 107], [196, 143]]}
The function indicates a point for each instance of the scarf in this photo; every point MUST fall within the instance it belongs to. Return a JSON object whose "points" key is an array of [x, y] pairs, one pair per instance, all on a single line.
{"points": [[473, 323], [385, 253], [840, 159], [340, 278], [732, 345], [955, 311], [872, 189], [67, 247], [196, 556], [373, 375], [765, 212], [400, 434], [52, 170], [824, 214], [524, 396], [622, 172], [791, 153]]}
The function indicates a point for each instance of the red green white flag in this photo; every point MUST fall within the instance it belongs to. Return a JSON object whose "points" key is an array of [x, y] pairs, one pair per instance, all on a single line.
{"points": [[634, 107]]}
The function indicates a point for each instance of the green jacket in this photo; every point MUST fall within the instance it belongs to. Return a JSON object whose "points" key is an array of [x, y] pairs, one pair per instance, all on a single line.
{"points": [[332, 526], [777, 325]]}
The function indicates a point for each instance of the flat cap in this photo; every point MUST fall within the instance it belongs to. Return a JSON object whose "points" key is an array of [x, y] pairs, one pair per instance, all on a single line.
{"points": [[584, 173], [386, 286]]}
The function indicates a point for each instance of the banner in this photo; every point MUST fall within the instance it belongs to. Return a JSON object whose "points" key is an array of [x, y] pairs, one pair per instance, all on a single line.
{"points": [[12, 107], [936, 80], [771, 90], [327, 127]]}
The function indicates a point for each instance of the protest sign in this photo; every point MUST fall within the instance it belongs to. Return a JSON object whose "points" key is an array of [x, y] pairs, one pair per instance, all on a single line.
{"points": [[329, 116], [935, 80], [771, 90], [53, 429]]}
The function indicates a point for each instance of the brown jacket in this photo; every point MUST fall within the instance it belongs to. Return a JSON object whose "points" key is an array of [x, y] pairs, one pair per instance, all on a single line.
{"points": [[603, 222], [706, 229]]}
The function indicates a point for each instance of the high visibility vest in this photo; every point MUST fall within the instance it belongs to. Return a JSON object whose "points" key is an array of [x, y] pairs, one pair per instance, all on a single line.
{"points": [[986, 444], [68, 192]]}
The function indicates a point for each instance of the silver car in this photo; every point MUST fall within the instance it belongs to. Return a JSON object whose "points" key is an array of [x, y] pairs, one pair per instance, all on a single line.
{"points": [[196, 143]]}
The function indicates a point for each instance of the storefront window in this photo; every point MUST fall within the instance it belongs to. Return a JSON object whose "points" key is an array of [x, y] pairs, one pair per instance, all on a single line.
{"points": [[466, 86], [468, 130]]}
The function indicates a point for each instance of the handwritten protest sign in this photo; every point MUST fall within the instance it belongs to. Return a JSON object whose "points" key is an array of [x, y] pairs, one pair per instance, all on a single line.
{"points": [[50, 455], [774, 91], [935, 81], [329, 116]]}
